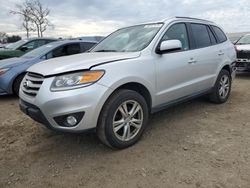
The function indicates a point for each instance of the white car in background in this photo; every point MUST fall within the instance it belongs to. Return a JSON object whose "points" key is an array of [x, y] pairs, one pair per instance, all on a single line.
{"points": [[243, 53]]}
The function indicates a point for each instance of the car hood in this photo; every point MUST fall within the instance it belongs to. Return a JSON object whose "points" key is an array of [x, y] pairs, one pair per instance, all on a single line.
{"points": [[244, 47], [8, 63], [79, 62]]}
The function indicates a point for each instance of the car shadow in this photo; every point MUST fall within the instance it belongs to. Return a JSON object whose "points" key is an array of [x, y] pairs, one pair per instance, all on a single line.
{"points": [[8, 97], [243, 75]]}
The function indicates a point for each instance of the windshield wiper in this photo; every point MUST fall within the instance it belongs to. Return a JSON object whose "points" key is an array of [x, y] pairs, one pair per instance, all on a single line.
{"points": [[105, 51]]}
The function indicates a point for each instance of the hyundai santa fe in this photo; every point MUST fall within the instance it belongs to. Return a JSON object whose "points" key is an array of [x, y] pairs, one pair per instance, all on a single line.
{"points": [[133, 72]]}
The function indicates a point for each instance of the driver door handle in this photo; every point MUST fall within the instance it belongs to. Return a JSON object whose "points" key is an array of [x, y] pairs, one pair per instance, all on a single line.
{"points": [[221, 53]]}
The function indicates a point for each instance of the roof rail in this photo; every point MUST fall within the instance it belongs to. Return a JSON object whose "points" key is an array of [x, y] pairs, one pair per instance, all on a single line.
{"points": [[193, 18]]}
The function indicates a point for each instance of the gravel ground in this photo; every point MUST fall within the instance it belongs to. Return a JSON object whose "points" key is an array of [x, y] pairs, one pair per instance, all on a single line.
{"points": [[195, 144]]}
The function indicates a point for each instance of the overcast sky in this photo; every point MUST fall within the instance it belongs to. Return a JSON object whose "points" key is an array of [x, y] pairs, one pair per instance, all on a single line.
{"points": [[100, 17]]}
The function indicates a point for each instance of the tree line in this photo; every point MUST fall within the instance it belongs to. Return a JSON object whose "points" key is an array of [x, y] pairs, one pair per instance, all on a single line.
{"points": [[5, 38]]}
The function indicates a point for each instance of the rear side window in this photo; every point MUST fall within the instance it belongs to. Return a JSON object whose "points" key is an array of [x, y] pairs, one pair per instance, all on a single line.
{"points": [[49, 41], [88, 45], [69, 49], [201, 35], [73, 49], [220, 34], [41, 43]]}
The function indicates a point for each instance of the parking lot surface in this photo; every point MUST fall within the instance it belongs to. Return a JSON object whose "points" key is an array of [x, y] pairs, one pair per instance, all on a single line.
{"points": [[195, 144]]}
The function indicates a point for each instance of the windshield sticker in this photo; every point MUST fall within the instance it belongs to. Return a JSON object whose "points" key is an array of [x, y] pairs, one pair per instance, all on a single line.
{"points": [[153, 26]]}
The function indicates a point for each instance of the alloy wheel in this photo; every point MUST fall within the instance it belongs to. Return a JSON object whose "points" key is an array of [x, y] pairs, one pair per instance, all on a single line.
{"points": [[224, 86], [128, 120]]}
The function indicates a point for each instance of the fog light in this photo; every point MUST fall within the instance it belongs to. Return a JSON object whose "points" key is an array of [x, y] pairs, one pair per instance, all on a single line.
{"points": [[71, 120]]}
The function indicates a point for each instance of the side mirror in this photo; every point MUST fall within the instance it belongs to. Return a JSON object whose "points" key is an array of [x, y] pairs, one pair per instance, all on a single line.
{"points": [[169, 45], [24, 48]]}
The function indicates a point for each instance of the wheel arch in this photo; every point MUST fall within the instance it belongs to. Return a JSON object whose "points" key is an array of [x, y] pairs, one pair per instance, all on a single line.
{"points": [[225, 66], [14, 79], [140, 88]]}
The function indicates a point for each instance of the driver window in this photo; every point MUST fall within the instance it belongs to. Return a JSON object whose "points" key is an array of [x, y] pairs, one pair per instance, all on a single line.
{"points": [[178, 32], [29, 45]]}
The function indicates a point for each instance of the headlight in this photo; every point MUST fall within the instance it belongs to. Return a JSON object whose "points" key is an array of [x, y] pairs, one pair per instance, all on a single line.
{"points": [[2, 71], [76, 80]]}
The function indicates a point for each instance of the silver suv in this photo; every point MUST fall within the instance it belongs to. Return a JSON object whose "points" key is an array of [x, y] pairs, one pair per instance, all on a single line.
{"points": [[133, 72]]}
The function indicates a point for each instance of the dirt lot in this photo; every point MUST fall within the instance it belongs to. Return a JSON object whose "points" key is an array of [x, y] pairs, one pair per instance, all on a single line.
{"points": [[196, 144]]}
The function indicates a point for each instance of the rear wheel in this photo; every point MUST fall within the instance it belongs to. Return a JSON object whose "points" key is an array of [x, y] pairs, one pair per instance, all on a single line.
{"points": [[17, 83], [222, 88], [123, 119]]}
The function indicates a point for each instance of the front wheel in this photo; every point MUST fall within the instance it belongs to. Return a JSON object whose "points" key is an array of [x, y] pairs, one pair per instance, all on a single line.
{"points": [[123, 119], [222, 88]]}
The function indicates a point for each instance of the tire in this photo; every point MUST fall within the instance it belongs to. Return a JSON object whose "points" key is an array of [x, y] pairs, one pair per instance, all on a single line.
{"points": [[217, 96], [17, 83], [114, 134]]}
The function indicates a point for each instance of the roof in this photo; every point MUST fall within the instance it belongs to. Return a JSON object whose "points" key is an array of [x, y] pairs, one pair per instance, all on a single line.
{"points": [[34, 38], [190, 18], [171, 19], [60, 42], [76, 40], [90, 38]]}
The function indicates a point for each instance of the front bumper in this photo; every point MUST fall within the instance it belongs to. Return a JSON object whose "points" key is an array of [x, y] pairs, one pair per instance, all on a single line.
{"points": [[243, 64], [34, 112], [47, 105], [233, 70], [3, 92], [6, 82]]}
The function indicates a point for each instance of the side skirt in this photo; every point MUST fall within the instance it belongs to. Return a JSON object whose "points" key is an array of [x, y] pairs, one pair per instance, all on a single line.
{"points": [[180, 100]]}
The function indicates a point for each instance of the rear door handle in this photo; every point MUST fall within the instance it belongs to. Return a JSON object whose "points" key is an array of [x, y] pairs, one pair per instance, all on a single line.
{"points": [[221, 53], [192, 61]]}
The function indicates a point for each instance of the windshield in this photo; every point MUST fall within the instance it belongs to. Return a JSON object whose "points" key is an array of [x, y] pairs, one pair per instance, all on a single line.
{"points": [[131, 39], [16, 45], [39, 51], [244, 40]]}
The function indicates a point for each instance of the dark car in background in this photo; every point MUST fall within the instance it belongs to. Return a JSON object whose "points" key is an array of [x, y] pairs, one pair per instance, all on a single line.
{"points": [[21, 47], [13, 70], [243, 53]]}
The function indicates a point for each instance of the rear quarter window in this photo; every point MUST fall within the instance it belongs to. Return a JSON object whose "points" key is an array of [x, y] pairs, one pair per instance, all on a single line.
{"points": [[212, 37], [220, 34]]}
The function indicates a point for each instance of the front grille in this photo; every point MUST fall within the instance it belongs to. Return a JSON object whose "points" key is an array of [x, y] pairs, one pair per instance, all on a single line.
{"points": [[243, 54], [32, 83]]}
